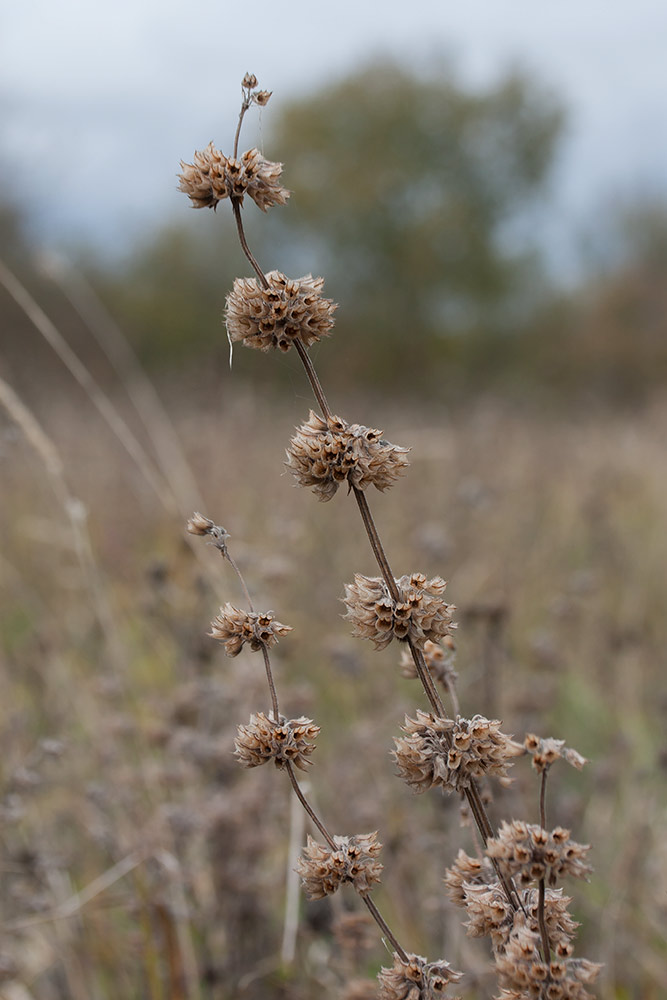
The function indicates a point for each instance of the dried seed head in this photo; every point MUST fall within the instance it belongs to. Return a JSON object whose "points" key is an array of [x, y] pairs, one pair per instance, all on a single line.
{"points": [[420, 614], [200, 525], [288, 310], [234, 627], [262, 97], [416, 979], [249, 81], [325, 453], [213, 177], [284, 742], [322, 870], [452, 753], [440, 658], [546, 751], [468, 871], [523, 972], [530, 853]]}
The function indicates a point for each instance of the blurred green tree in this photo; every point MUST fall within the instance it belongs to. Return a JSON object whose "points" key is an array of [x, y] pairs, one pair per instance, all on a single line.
{"points": [[412, 195]]}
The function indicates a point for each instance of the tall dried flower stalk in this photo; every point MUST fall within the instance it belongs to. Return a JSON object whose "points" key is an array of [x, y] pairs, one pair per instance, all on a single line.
{"points": [[510, 890]]}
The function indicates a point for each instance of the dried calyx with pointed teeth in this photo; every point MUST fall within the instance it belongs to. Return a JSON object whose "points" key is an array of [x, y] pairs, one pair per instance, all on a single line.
{"points": [[323, 454], [418, 615], [212, 177], [323, 870], [288, 309], [234, 627], [285, 742]]}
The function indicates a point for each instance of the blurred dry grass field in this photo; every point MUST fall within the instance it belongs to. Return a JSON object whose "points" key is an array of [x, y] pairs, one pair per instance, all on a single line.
{"points": [[138, 860]]}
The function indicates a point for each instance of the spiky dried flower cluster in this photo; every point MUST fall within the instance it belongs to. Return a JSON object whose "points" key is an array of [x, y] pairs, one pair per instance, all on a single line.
{"points": [[439, 658], [289, 309], [420, 614], [260, 97], [323, 870], [452, 753], [524, 974], [416, 979], [526, 851], [233, 628], [546, 752], [324, 453], [467, 871], [284, 742], [212, 177]]}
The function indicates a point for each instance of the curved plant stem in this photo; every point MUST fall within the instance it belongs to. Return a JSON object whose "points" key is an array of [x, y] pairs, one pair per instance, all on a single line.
{"points": [[309, 809], [379, 919], [546, 947], [236, 208], [313, 379]]}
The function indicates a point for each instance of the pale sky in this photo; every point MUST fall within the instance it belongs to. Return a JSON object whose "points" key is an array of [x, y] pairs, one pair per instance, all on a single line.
{"points": [[98, 103]]}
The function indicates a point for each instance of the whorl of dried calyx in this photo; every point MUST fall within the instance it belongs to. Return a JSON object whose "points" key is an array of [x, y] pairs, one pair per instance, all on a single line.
{"points": [[212, 177], [325, 453], [288, 309], [418, 615]]}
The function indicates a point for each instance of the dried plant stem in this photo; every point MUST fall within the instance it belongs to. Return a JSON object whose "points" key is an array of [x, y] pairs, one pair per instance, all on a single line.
{"points": [[543, 799], [379, 919], [309, 809], [476, 805], [236, 208], [244, 107], [546, 947], [313, 379], [272, 686]]}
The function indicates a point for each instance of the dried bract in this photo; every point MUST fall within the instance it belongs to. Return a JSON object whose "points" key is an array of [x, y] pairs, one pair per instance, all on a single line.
{"points": [[289, 309], [419, 614], [325, 453], [452, 753], [468, 871], [233, 627], [284, 742], [439, 660], [416, 979], [529, 853], [212, 177], [323, 870], [546, 751]]}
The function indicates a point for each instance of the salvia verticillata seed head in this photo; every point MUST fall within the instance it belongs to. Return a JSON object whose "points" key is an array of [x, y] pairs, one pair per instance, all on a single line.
{"points": [[285, 742], [421, 613], [452, 753], [325, 453], [289, 309], [416, 979], [440, 659], [249, 81], [523, 973], [198, 524], [212, 177], [262, 97], [234, 627], [323, 870], [546, 751], [528, 853]]}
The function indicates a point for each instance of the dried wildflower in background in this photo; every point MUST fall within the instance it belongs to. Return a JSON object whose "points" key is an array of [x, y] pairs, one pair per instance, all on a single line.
{"points": [[323, 870], [213, 177], [284, 742], [324, 453], [452, 753], [233, 627], [439, 658], [546, 752], [421, 613], [416, 979], [288, 309], [530, 853]]}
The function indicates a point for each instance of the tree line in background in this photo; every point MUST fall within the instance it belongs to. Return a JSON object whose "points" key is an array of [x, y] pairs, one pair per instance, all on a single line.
{"points": [[420, 203]]}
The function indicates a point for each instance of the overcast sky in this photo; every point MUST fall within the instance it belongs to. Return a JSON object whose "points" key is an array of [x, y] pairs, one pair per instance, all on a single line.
{"points": [[98, 102]]}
